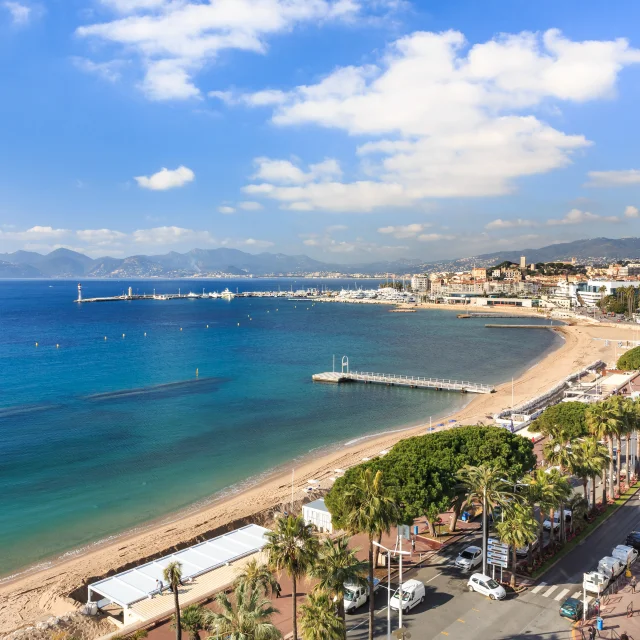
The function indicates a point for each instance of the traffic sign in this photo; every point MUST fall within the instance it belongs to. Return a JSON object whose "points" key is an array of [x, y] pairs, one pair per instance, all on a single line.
{"points": [[496, 562]]}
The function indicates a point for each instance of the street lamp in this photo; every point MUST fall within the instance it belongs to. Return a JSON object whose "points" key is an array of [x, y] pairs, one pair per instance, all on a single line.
{"points": [[389, 552]]}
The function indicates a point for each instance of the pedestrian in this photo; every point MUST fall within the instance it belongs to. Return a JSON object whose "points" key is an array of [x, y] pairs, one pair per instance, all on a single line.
{"points": [[413, 545], [633, 584], [624, 636], [592, 633], [159, 586], [278, 589]]}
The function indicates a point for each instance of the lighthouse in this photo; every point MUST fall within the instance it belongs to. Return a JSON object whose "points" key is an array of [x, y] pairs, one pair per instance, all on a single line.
{"points": [[79, 292]]}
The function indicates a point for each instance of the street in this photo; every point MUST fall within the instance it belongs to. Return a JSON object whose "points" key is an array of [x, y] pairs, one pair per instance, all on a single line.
{"points": [[450, 611]]}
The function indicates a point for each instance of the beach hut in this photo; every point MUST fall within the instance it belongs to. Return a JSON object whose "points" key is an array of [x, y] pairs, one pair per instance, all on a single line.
{"points": [[317, 514]]}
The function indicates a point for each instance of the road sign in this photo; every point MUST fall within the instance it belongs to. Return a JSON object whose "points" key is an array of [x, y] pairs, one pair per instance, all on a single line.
{"points": [[496, 562], [404, 531], [502, 555]]}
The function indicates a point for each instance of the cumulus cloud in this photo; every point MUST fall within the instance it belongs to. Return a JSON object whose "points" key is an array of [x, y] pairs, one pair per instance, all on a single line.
{"points": [[166, 179], [252, 242], [101, 237], [285, 172], [443, 119], [175, 39], [499, 223], [106, 70], [249, 205], [613, 178], [20, 13], [577, 216], [631, 212], [404, 231], [170, 235], [435, 237], [226, 209]]}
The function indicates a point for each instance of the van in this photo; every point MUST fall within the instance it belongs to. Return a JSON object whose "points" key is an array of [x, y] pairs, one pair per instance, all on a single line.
{"points": [[611, 567], [412, 594], [626, 555], [355, 595], [595, 582]]}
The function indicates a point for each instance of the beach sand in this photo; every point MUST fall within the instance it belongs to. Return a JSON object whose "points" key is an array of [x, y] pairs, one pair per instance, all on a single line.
{"points": [[37, 595]]}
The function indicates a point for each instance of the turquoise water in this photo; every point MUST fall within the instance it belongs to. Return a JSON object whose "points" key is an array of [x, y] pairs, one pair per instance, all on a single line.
{"points": [[98, 436]]}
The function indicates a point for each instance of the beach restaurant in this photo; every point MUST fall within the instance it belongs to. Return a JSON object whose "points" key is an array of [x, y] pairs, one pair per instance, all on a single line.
{"points": [[207, 567]]}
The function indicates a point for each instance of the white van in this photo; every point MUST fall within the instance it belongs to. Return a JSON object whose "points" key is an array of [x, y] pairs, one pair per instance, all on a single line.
{"points": [[595, 582], [412, 594], [355, 595], [611, 567], [626, 555]]}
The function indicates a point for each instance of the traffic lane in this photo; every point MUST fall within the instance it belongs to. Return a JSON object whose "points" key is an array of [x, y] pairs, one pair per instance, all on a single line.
{"points": [[600, 543]]}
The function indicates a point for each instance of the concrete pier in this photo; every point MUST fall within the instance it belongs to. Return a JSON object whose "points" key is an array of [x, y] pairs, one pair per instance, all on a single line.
{"points": [[522, 326]]}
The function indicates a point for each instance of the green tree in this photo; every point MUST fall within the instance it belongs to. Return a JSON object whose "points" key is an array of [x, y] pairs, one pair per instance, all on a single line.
{"points": [[579, 507], [593, 458], [247, 617], [630, 361], [257, 575], [318, 619], [518, 529], [372, 510], [543, 491], [565, 421], [173, 575], [603, 421], [193, 620], [485, 484], [336, 566], [292, 548]]}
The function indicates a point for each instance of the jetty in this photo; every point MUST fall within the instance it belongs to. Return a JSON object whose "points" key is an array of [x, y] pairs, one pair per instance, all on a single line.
{"points": [[497, 314], [522, 326], [393, 380]]}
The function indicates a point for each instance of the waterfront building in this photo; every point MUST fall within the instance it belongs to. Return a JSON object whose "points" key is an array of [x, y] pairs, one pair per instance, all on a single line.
{"points": [[420, 283], [316, 513]]}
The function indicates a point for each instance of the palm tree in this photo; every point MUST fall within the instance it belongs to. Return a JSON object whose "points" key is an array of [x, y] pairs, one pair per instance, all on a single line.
{"points": [[485, 484], [594, 457], [319, 620], [370, 509], [292, 548], [193, 620], [629, 422], [249, 618], [602, 420], [518, 529], [257, 575], [579, 507], [543, 492], [336, 566], [173, 575], [620, 428], [560, 492]]}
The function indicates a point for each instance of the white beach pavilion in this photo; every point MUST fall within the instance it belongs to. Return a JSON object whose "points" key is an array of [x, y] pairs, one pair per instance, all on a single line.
{"points": [[134, 590], [317, 514]]}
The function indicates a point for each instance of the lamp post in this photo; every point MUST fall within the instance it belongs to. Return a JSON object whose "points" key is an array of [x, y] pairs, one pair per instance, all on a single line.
{"points": [[389, 552]]}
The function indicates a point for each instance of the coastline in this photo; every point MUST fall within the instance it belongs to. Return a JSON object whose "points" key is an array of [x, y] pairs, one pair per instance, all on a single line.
{"points": [[41, 592]]}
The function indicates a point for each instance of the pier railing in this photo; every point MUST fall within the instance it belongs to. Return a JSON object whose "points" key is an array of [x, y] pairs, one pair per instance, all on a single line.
{"points": [[418, 381]]}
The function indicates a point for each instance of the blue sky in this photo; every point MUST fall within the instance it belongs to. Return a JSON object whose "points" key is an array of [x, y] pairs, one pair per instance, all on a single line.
{"points": [[349, 130]]}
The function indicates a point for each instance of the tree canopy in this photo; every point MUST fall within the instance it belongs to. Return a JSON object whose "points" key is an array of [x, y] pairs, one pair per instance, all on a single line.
{"points": [[630, 360], [564, 421], [421, 472]]}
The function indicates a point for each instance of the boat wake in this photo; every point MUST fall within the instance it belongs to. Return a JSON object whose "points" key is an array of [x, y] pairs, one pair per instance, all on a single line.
{"points": [[197, 385]]}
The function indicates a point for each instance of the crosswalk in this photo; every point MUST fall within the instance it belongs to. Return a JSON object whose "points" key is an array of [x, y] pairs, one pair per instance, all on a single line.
{"points": [[550, 591]]}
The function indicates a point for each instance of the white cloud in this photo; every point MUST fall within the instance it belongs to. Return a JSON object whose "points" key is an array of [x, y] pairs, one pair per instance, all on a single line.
{"points": [[499, 223], [226, 209], [435, 237], [171, 235], [404, 231], [249, 205], [613, 178], [36, 234], [20, 13], [285, 172], [106, 70], [174, 39], [445, 119], [631, 212], [252, 242], [336, 227], [166, 179], [577, 216], [101, 237]]}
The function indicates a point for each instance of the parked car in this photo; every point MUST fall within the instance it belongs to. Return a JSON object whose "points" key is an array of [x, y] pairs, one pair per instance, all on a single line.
{"points": [[633, 540], [486, 586], [571, 608], [523, 552], [469, 558], [611, 567], [412, 594], [556, 521], [627, 555]]}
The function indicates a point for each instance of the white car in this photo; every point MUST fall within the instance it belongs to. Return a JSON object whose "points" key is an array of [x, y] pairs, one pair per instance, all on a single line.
{"points": [[523, 552], [471, 557], [546, 525], [486, 586]]}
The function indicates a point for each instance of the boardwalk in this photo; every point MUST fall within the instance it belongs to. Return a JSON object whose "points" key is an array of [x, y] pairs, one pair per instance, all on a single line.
{"points": [[392, 380]]}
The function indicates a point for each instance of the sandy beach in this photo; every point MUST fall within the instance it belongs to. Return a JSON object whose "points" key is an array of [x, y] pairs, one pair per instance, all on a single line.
{"points": [[38, 594]]}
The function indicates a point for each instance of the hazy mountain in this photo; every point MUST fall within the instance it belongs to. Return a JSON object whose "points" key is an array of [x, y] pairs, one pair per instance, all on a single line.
{"points": [[12, 270]]}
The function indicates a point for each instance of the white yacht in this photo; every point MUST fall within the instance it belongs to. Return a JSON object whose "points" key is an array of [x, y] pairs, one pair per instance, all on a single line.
{"points": [[228, 295]]}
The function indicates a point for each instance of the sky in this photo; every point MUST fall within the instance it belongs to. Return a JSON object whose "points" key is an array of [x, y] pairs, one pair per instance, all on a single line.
{"points": [[346, 130]]}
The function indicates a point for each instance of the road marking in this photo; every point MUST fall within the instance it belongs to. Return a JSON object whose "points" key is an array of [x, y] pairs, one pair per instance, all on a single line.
{"points": [[577, 595], [562, 594], [550, 591], [434, 577], [444, 633], [539, 587], [478, 610], [589, 599], [461, 620]]}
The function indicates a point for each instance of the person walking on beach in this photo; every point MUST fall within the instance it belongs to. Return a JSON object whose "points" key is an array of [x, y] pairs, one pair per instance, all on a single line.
{"points": [[278, 589], [633, 584]]}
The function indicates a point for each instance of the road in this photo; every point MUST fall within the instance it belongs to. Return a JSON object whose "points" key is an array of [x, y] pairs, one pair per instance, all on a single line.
{"points": [[450, 611]]}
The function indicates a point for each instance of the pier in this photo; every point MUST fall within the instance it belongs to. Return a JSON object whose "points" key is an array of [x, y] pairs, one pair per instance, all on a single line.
{"points": [[492, 315], [393, 380], [522, 326]]}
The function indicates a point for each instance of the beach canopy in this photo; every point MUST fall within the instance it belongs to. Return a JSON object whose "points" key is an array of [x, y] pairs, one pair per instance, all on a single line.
{"points": [[136, 584]]}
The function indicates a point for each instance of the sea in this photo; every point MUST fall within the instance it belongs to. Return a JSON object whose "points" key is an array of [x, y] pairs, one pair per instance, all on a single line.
{"points": [[116, 414]]}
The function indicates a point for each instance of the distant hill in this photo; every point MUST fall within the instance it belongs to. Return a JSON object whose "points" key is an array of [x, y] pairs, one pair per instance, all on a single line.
{"points": [[64, 263]]}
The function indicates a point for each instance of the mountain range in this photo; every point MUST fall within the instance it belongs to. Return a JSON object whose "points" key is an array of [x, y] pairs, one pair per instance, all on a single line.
{"points": [[64, 263]]}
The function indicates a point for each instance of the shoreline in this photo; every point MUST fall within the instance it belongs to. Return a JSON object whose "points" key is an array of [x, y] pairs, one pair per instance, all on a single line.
{"points": [[41, 591]]}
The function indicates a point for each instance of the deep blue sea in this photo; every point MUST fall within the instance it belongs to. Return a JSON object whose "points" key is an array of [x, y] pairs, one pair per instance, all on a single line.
{"points": [[98, 436]]}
